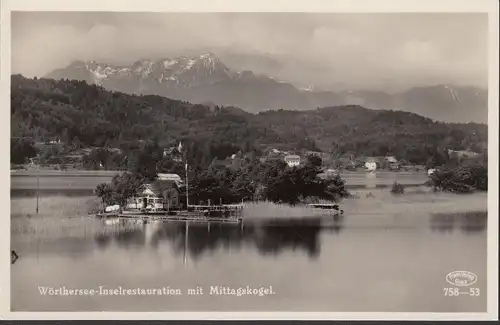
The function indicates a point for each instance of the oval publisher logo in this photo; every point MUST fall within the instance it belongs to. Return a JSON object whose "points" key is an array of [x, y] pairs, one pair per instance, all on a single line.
{"points": [[461, 278]]}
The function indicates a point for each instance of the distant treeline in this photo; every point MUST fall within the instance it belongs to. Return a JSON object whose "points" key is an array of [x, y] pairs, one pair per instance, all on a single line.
{"points": [[83, 115], [463, 179]]}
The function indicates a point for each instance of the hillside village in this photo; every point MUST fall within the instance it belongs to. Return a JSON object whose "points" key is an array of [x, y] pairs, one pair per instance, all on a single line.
{"points": [[55, 154]]}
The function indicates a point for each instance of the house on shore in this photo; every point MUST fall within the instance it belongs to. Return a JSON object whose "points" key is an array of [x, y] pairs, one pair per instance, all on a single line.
{"points": [[292, 160], [394, 166], [463, 153], [161, 194], [391, 159], [392, 163], [371, 164]]}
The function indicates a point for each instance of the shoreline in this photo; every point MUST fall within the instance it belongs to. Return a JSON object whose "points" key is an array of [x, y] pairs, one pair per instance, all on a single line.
{"points": [[84, 182], [84, 173], [89, 191]]}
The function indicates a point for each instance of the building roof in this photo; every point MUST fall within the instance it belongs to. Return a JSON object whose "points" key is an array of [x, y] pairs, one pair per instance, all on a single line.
{"points": [[292, 157], [158, 186], [169, 177], [391, 159]]}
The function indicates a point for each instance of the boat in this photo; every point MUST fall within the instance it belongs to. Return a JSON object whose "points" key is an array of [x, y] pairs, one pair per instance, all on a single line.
{"points": [[327, 206]]}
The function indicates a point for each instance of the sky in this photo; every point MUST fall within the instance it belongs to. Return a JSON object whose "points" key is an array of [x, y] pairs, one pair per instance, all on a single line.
{"points": [[379, 51]]}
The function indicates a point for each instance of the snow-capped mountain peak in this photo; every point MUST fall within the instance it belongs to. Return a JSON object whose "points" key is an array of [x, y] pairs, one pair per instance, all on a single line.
{"points": [[182, 71], [204, 77]]}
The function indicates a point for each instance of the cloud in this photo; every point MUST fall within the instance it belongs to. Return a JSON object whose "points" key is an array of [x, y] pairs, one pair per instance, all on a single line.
{"points": [[329, 50]]}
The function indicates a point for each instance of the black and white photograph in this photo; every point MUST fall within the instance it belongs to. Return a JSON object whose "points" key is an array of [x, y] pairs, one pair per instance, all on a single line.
{"points": [[204, 161]]}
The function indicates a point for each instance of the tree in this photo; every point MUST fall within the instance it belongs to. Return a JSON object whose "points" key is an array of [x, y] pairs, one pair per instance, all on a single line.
{"points": [[291, 185], [125, 186], [461, 179], [282, 188], [21, 149], [335, 188], [315, 161], [51, 155], [431, 163], [96, 158], [76, 143], [143, 162], [453, 161], [105, 192], [65, 137]]}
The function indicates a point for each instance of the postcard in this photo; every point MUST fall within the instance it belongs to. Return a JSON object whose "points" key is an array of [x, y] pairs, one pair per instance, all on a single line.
{"points": [[195, 159]]}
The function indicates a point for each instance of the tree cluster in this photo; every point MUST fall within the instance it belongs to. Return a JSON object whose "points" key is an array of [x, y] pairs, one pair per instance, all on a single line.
{"points": [[21, 149], [464, 179], [272, 181], [121, 188]]}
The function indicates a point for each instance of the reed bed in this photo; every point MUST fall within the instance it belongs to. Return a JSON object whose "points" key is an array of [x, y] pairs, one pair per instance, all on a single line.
{"points": [[415, 201], [77, 227], [58, 216], [54, 206], [270, 210]]}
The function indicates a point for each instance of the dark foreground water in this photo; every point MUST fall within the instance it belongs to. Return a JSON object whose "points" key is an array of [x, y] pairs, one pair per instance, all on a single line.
{"points": [[385, 254]]}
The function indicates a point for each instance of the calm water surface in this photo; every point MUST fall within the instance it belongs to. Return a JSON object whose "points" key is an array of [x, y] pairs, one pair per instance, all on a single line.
{"points": [[26, 183], [385, 254]]}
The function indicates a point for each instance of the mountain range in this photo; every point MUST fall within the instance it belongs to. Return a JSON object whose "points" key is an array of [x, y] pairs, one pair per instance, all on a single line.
{"points": [[206, 79]]}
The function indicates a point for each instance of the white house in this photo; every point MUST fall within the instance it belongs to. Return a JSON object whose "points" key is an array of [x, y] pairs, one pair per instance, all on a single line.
{"points": [[292, 160], [371, 166], [431, 171], [158, 195]]}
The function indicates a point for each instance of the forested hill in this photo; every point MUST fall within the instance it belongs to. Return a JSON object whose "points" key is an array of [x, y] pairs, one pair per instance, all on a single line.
{"points": [[75, 111]]}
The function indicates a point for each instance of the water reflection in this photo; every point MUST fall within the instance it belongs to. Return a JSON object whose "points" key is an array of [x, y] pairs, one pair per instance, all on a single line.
{"points": [[196, 239], [371, 180], [274, 237], [270, 237], [338, 223], [468, 222]]}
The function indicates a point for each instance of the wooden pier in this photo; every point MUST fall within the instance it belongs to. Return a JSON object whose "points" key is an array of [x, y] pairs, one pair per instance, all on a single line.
{"points": [[200, 213], [181, 217]]}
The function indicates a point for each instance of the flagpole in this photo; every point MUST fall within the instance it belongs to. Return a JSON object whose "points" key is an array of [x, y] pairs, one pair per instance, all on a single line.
{"points": [[187, 182], [37, 182], [187, 190]]}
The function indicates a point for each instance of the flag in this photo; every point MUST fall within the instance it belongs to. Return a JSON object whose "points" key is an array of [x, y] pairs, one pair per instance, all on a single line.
{"points": [[179, 147], [186, 166]]}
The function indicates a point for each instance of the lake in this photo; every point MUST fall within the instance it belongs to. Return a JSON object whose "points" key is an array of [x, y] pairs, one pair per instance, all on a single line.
{"points": [[78, 183], [385, 254]]}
